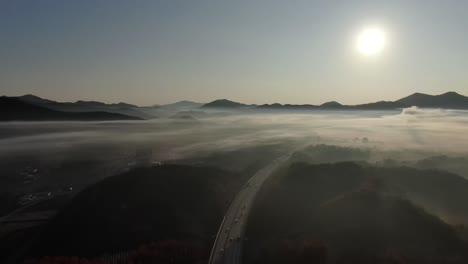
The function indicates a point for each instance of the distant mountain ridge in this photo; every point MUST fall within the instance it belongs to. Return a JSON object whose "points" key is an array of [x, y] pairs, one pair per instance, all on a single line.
{"points": [[446, 100], [38, 100], [224, 103], [93, 110], [449, 100], [30, 98], [15, 109], [124, 110], [182, 105], [86, 106]]}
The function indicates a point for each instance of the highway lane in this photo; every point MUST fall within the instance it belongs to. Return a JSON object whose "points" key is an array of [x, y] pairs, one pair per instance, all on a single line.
{"points": [[227, 247]]}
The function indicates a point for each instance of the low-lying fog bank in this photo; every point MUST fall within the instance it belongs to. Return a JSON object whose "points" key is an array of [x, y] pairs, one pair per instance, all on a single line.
{"points": [[95, 150], [51, 162], [435, 130]]}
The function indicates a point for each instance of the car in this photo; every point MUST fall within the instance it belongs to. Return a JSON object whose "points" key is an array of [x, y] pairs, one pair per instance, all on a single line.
{"points": [[230, 239], [237, 220], [227, 230], [221, 251]]}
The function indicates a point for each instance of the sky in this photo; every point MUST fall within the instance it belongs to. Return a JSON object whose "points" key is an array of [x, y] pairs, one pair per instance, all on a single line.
{"points": [[156, 52]]}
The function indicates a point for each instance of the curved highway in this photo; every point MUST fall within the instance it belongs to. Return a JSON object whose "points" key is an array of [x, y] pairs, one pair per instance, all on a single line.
{"points": [[227, 247]]}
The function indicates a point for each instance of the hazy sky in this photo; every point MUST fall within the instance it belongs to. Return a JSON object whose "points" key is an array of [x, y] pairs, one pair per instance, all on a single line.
{"points": [[148, 52]]}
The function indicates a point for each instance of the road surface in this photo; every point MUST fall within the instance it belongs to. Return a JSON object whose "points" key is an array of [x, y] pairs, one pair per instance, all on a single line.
{"points": [[228, 244]]}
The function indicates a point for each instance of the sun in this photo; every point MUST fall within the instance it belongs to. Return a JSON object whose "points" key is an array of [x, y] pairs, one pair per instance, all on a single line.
{"points": [[371, 41]]}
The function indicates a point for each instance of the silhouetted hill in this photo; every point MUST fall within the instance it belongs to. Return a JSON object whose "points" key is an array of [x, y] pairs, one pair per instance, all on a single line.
{"points": [[223, 103], [278, 106], [141, 206], [87, 106], [272, 106], [88, 103], [451, 100], [382, 105], [13, 109], [358, 214], [375, 222], [331, 104], [100, 104], [457, 165], [38, 100], [437, 191], [182, 105], [30, 98]]}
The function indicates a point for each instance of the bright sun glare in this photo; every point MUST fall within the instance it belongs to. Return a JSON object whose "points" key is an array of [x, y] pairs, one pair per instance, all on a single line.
{"points": [[371, 41]]}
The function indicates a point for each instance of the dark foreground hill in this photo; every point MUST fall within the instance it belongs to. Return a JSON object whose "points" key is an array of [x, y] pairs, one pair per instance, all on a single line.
{"points": [[347, 213], [13, 109], [163, 203]]}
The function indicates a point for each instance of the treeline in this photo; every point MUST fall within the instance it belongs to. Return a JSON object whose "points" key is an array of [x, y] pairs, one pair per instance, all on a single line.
{"points": [[170, 202], [358, 214]]}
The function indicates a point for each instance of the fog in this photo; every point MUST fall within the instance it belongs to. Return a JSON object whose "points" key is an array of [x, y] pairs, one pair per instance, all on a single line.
{"points": [[222, 139], [432, 130], [43, 158]]}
